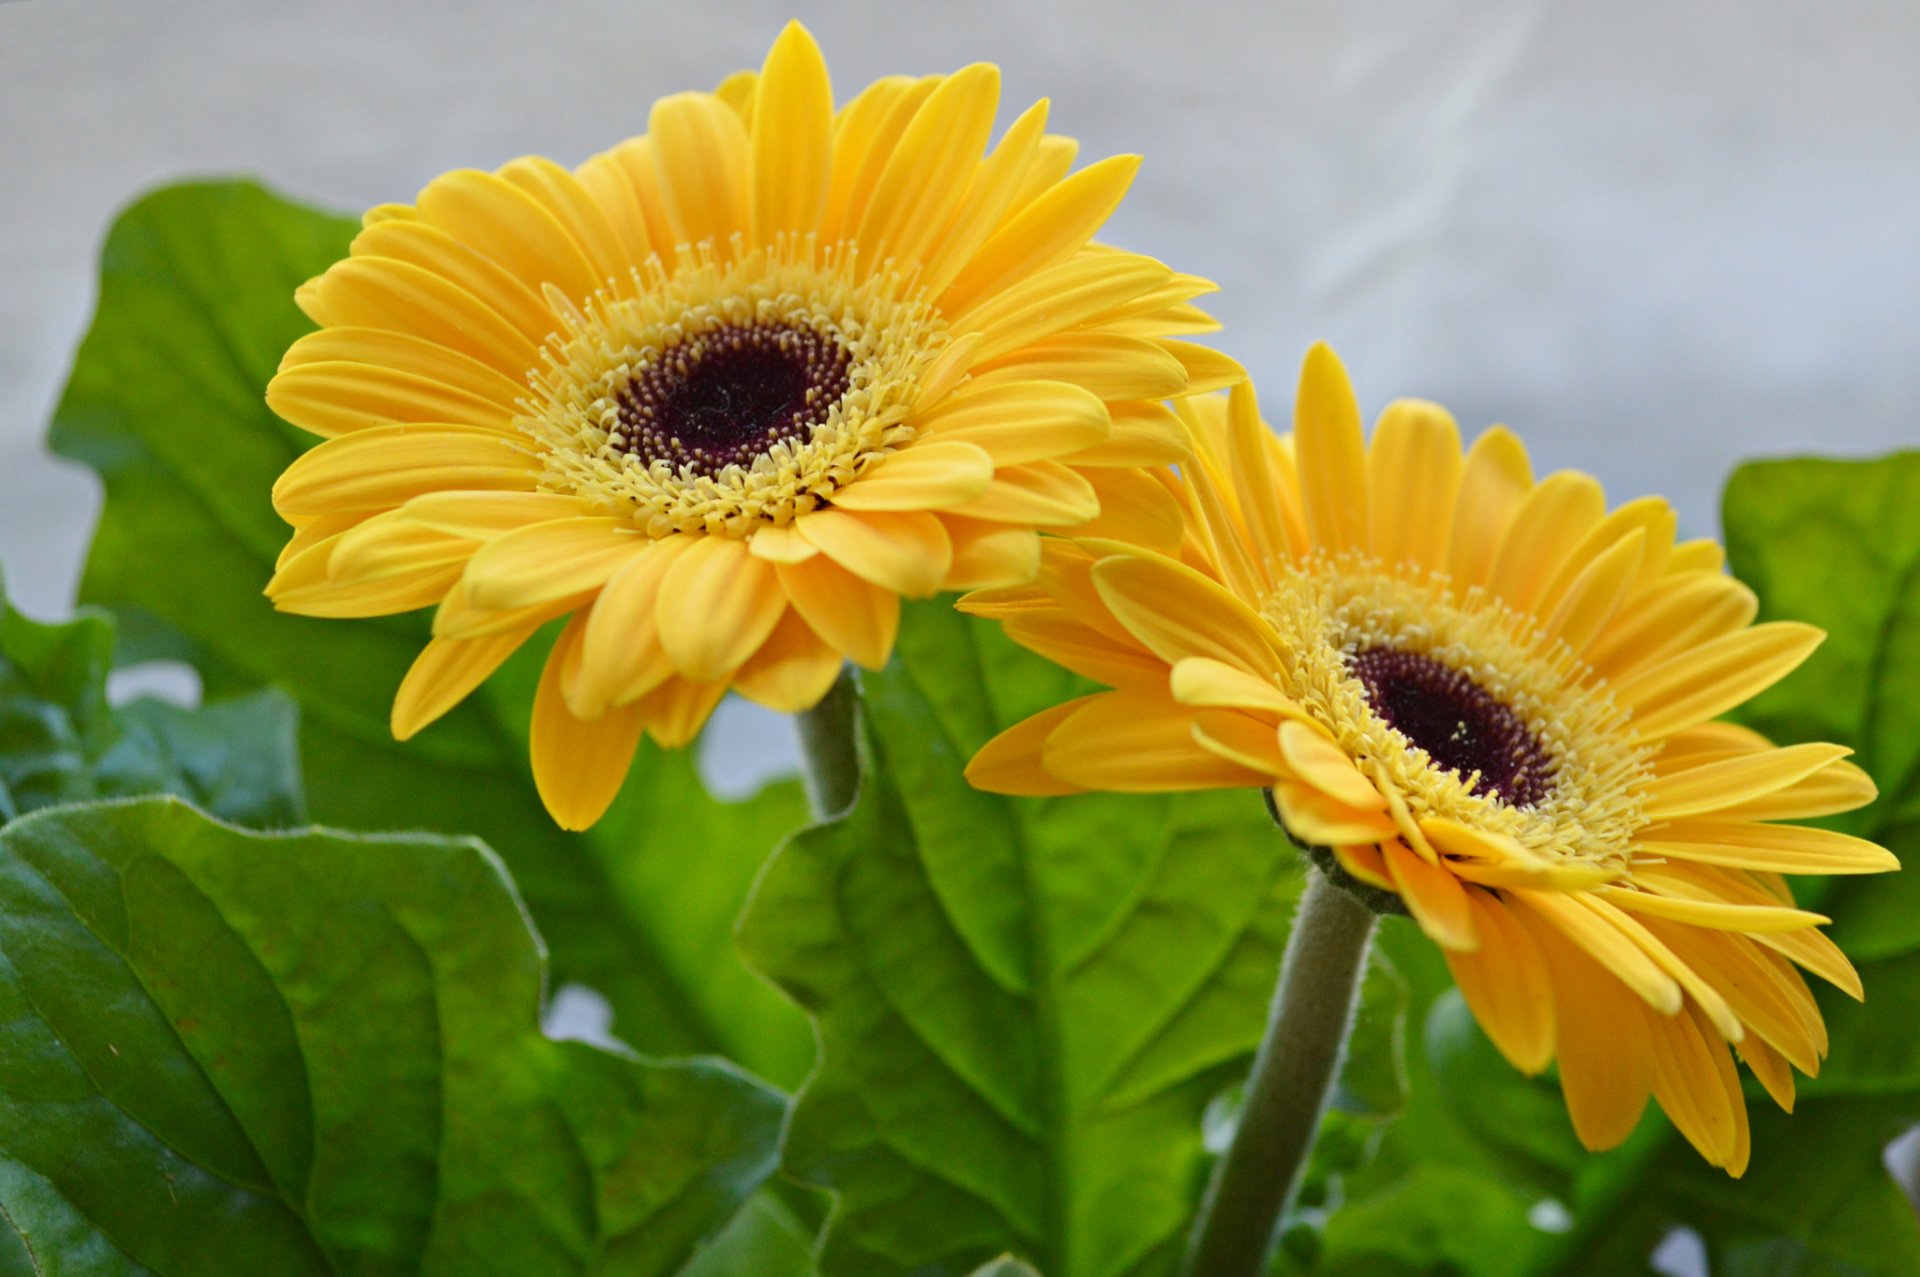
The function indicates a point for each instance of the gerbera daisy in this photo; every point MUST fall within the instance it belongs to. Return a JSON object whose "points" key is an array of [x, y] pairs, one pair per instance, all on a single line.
{"points": [[1487, 700], [722, 395]]}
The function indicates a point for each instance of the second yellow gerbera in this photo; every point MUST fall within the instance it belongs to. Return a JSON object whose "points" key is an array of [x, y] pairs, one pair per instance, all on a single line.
{"points": [[1489, 698], [723, 395]]}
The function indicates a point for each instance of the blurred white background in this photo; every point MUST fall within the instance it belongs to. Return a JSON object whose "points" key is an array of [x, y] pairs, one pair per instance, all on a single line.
{"points": [[1654, 237]]}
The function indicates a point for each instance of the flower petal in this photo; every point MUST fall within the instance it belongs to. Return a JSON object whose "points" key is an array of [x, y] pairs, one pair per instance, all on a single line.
{"points": [[718, 603], [578, 764], [854, 615], [907, 552]]}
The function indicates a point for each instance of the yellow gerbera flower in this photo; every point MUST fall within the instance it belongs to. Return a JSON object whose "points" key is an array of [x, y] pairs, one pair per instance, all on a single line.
{"points": [[723, 394], [1489, 698]]}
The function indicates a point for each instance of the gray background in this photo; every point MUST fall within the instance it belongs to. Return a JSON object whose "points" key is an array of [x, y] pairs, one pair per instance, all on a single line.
{"points": [[1654, 237]]}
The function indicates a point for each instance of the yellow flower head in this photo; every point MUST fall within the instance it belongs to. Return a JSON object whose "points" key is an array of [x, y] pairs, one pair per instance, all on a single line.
{"points": [[1491, 699], [722, 395]]}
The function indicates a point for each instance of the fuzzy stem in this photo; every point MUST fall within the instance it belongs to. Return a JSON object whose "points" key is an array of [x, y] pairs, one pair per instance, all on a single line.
{"points": [[1306, 1035], [832, 771]]}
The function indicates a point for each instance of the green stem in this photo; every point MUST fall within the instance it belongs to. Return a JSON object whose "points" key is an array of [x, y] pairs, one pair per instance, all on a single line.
{"points": [[832, 771], [1306, 1033]]}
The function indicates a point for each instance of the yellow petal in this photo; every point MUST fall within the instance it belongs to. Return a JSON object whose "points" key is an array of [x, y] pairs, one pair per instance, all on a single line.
{"points": [[1021, 421], [384, 546], [854, 615], [1316, 820], [1779, 848], [781, 543], [570, 204], [338, 398], [1111, 367], [1413, 479], [996, 183], [1055, 225], [1674, 615], [702, 162], [1206, 369], [792, 144], [1719, 916], [1703, 995], [1547, 526], [1204, 683], [621, 655], [1597, 593], [1716, 785], [1083, 650], [1052, 160], [458, 617], [1010, 763], [1137, 740], [1265, 496], [1493, 483], [1505, 983], [444, 673], [920, 189], [864, 137], [1606, 944], [408, 354], [1317, 761], [1835, 788], [386, 466], [1766, 993], [493, 216], [486, 515], [1771, 1068], [675, 711], [578, 765], [1038, 494], [1435, 898], [989, 554], [1135, 507], [1601, 1040], [1177, 613], [1141, 434], [906, 552], [1058, 298], [1364, 862], [937, 474], [532, 565], [1333, 459], [1242, 739], [718, 603], [1687, 1073], [793, 669], [1714, 677]]}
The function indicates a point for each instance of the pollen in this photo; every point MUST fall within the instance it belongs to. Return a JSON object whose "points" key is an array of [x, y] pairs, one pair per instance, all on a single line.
{"points": [[720, 395], [1462, 705]]}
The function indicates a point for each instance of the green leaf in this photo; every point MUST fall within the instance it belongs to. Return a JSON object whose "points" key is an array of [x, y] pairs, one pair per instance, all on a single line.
{"points": [[166, 403], [60, 742], [1024, 1007], [228, 1052]]}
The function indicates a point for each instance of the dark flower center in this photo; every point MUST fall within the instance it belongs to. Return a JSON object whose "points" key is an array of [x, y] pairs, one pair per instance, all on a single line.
{"points": [[1462, 726], [727, 396]]}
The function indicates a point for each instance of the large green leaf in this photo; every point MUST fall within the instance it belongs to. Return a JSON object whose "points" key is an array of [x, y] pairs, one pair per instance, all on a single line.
{"points": [[196, 308], [1024, 1006], [60, 742], [314, 1053]]}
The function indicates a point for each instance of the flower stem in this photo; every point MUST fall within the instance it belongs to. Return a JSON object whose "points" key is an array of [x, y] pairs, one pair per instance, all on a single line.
{"points": [[1306, 1033], [832, 771]]}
